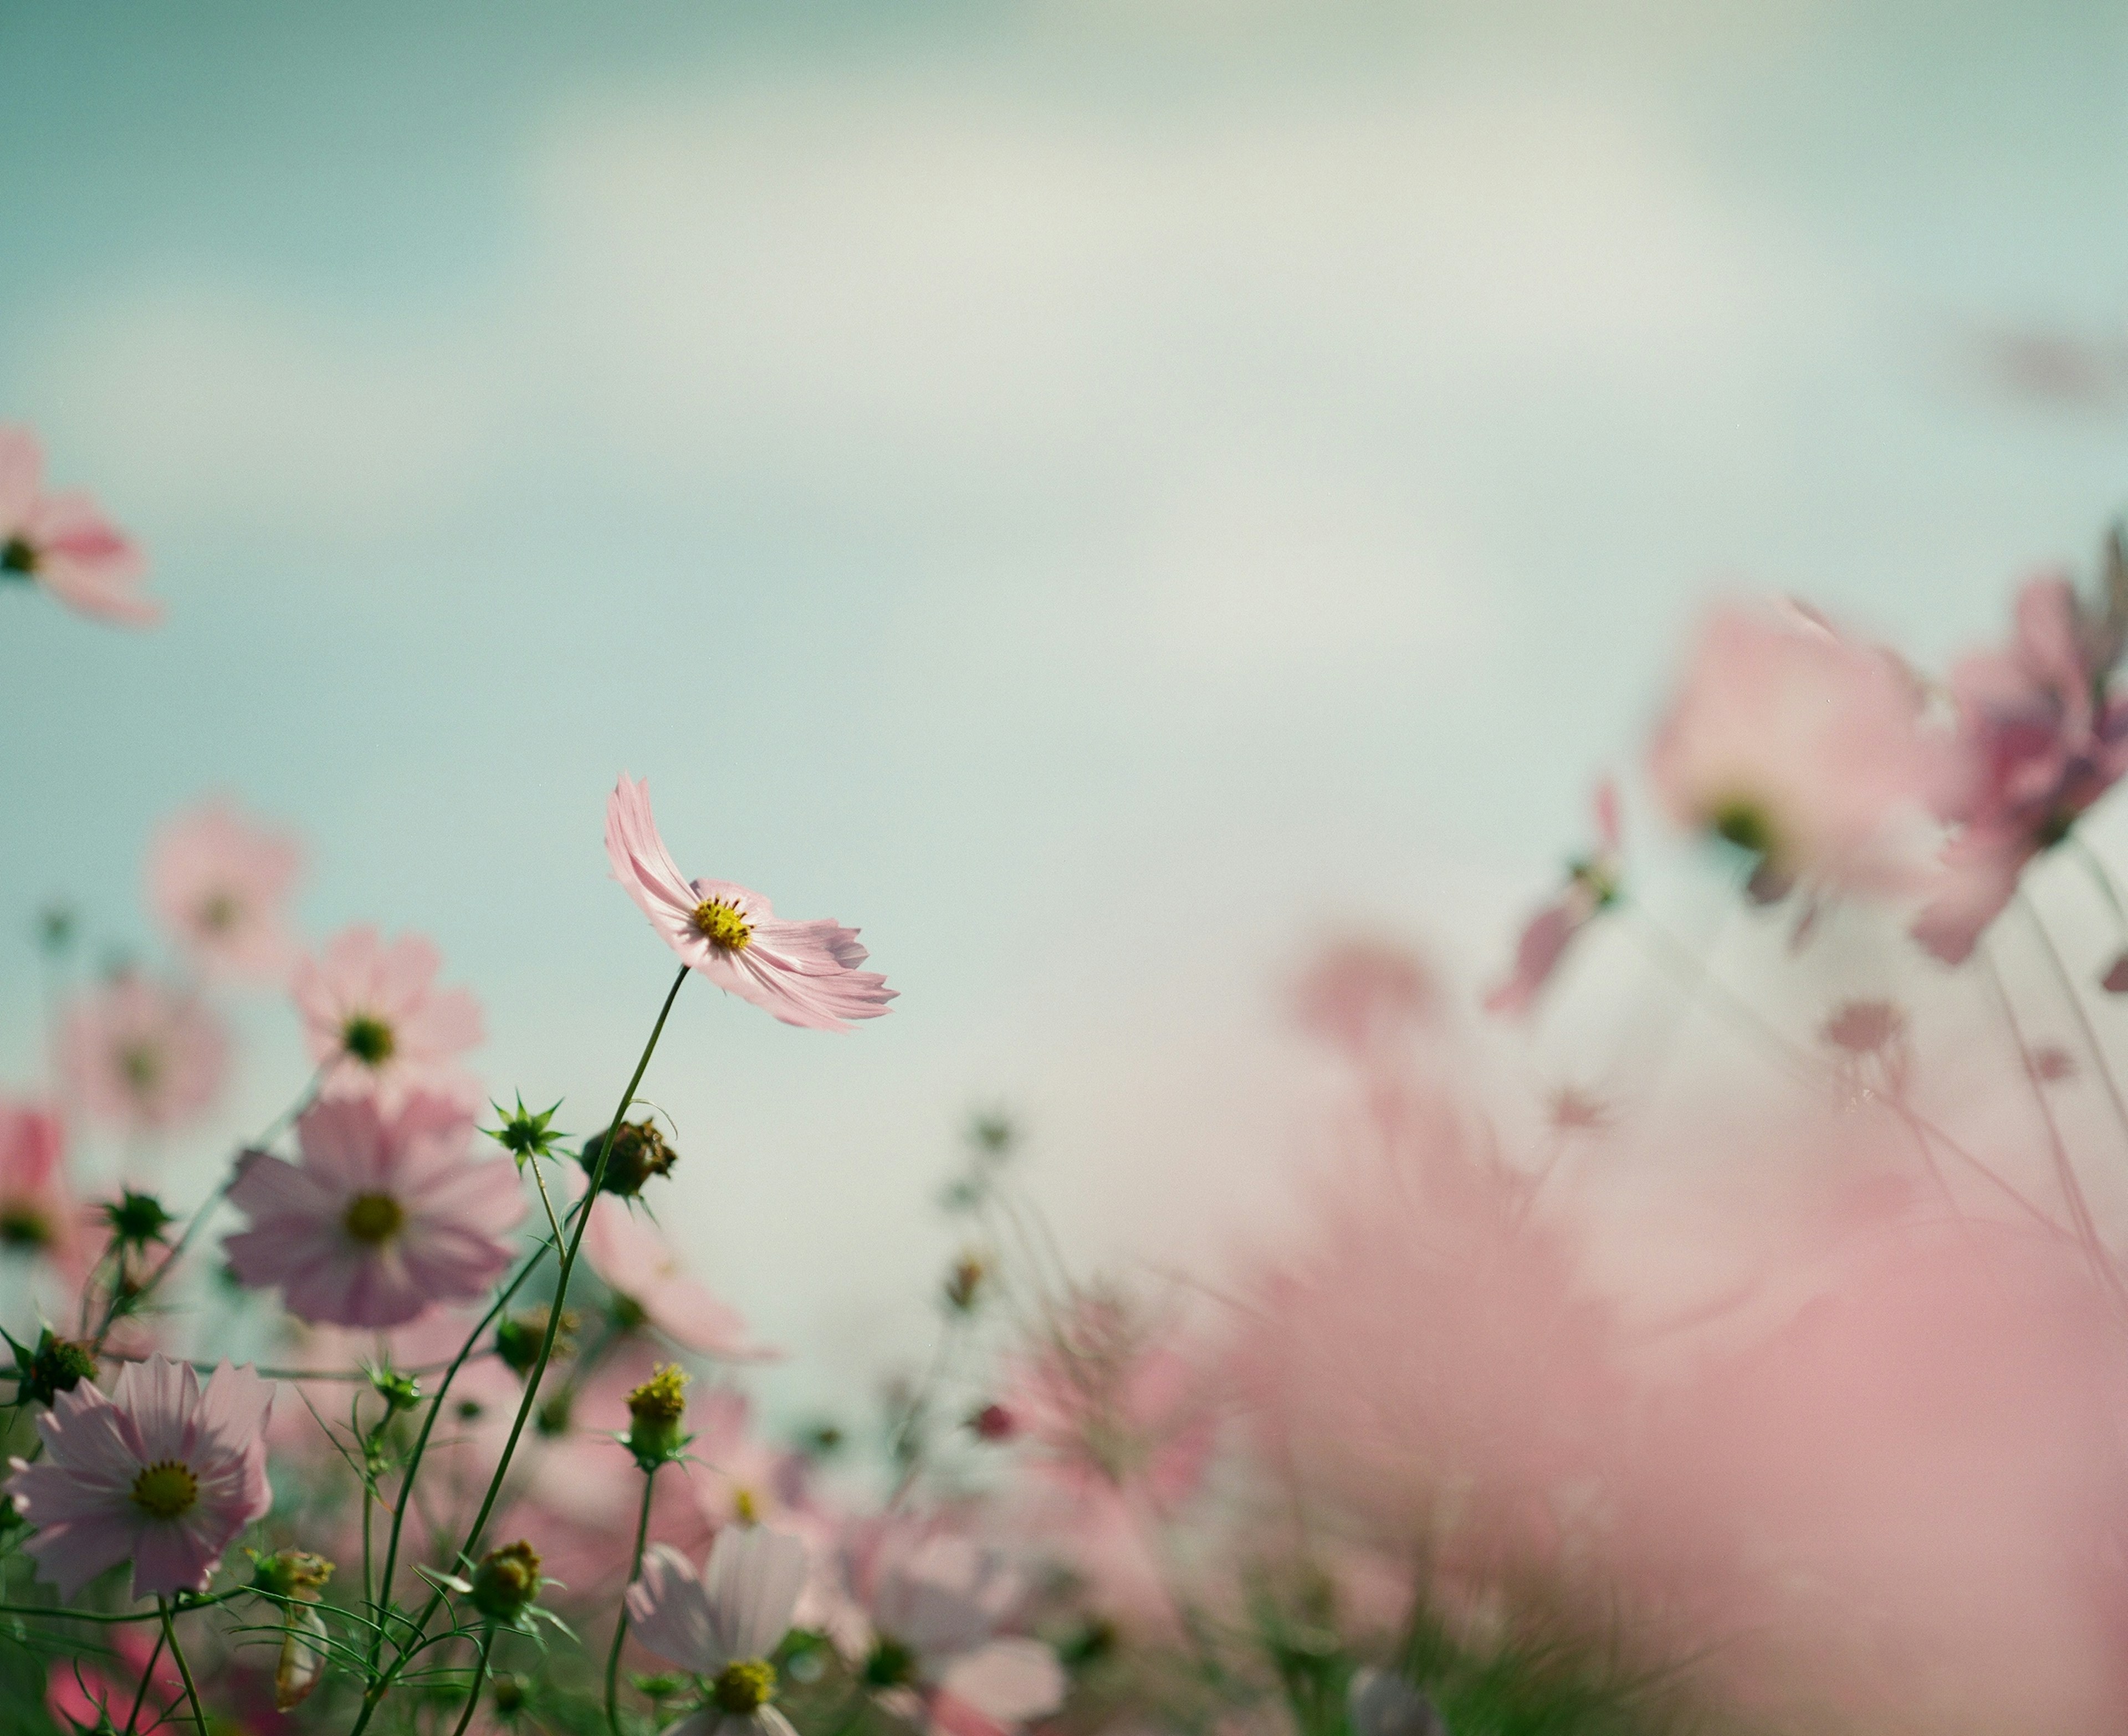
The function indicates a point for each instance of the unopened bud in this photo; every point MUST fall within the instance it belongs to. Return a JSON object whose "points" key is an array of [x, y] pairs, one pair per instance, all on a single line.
{"points": [[639, 1152], [507, 1582], [655, 1409]]}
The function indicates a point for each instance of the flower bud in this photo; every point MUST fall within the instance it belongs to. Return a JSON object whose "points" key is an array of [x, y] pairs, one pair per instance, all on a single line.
{"points": [[136, 1220], [993, 1423], [639, 1152], [518, 1337], [506, 1582], [57, 1365], [399, 1392], [964, 1283], [655, 1409]]}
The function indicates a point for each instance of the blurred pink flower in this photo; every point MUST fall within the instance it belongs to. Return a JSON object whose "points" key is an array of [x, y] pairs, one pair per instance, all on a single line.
{"points": [[804, 973], [160, 1474], [722, 1624], [640, 1267], [1592, 885], [2040, 739], [1800, 748], [1362, 996], [751, 1480], [143, 1054], [921, 1626], [382, 1217], [38, 1214], [378, 1025], [220, 885], [63, 542]]}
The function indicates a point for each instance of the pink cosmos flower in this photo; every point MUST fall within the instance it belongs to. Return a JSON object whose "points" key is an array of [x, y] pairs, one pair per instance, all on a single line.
{"points": [[1592, 885], [752, 1480], [378, 1025], [722, 1624], [647, 1279], [2040, 739], [63, 542], [926, 1605], [383, 1218], [1800, 748], [159, 1474], [146, 1056], [220, 885], [37, 1212], [805, 973], [1362, 995]]}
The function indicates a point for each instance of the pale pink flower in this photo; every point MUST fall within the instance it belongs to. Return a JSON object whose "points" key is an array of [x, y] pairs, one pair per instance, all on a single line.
{"points": [[220, 885], [925, 1608], [38, 1214], [805, 973], [159, 1474], [722, 1624], [652, 1286], [752, 1480], [378, 1025], [383, 1218], [2040, 739], [146, 1056], [1362, 996], [63, 542], [1592, 886], [1800, 748]]}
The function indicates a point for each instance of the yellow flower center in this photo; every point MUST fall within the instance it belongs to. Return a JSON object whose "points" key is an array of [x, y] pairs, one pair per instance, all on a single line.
{"points": [[165, 1491], [368, 1039], [218, 912], [722, 925], [142, 1066], [741, 1688], [374, 1217], [745, 1508]]}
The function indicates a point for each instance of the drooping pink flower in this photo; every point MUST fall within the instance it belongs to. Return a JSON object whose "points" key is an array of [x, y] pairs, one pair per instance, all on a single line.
{"points": [[63, 542], [160, 1474], [921, 1626], [220, 884], [1362, 995], [805, 973], [1800, 748], [2040, 739], [1592, 885], [378, 1025], [649, 1282], [144, 1055], [383, 1218], [38, 1214]]}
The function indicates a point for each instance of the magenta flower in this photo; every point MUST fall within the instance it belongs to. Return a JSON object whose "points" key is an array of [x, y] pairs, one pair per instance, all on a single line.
{"points": [[1592, 885], [2040, 739], [61, 541], [381, 1218], [220, 885], [1800, 748], [159, 1474], [805, 973], [146, 1056], [378, 1025], [652, 1286]]}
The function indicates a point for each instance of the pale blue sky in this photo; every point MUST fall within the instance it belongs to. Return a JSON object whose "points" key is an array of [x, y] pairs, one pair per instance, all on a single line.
{"points": [[1098, 495]]}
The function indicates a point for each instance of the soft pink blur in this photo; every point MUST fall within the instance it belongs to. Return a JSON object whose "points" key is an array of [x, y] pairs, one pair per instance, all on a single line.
{"points": [[145, 1055], [220, 885]]}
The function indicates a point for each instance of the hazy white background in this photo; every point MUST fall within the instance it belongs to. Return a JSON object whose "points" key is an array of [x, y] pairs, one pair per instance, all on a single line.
{"points": [[1100, 495]]}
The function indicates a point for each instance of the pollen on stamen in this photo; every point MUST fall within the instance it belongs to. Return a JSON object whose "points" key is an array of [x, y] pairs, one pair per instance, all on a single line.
{"points": [[722, 925]]}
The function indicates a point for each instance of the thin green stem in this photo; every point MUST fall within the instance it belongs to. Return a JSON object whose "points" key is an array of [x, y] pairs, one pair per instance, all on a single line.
{"points": [[141, 1693], [31, 1608], [184, 1669], [479, 1677], [620, 1621], [375, 1697]]}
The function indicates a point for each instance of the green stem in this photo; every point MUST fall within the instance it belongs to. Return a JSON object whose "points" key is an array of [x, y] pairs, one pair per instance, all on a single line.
{"points": [[620, 1621], [27, 1609], [141, 1693], [479, 1676], [184, 1669], [375, 1697]]}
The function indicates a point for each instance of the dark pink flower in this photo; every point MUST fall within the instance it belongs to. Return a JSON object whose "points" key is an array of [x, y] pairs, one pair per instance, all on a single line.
{"points": [[220, 885], [1592, 885], [805, 973], [382, 1219], [1800, 748], [144, 1055], [159, 1474], [37, 1212], [378, 1025], [61, 541], [2040, 739]]}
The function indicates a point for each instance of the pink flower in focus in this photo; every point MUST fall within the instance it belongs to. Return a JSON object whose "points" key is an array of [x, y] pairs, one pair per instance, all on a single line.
{"points": [[160, 1474], [646, 1277], [63, 542], [37, 1213], [925, 1608], [722, 1624], [381, 1218], [2040, 739], [1800, 748], [805, 973], [220, 885], [145, 1055], [1592, 885], [1363, 995], [378, 1025]]}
